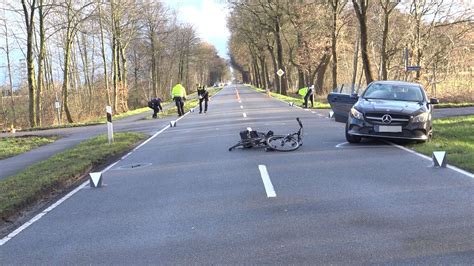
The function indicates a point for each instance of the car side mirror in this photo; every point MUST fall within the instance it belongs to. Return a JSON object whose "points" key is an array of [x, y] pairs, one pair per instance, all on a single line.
{"points": [[434, 101], [354, 96]]}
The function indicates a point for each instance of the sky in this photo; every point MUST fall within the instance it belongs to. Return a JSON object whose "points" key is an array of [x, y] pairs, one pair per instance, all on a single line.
{"points": [[208, 18]]}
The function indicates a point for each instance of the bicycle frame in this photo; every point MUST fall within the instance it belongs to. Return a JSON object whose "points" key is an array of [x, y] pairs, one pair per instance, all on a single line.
{"points": [[262, 139]]}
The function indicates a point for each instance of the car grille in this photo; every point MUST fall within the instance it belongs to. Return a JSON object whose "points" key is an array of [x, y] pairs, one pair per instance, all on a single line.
{"points": [[398, 120]]}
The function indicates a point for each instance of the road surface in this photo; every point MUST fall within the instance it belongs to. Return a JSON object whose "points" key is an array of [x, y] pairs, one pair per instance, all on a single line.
{"points": [[189, 200]]}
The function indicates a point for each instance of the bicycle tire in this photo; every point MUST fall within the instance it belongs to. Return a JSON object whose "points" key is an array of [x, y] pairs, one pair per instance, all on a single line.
{"points": [[283, 143]]}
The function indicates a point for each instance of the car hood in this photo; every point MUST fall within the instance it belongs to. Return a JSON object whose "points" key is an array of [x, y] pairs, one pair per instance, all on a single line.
{"points": [[403, 107]]}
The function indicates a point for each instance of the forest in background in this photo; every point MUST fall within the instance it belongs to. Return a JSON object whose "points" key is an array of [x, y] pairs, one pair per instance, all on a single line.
{"points": [[330, 43], [81, 55]]}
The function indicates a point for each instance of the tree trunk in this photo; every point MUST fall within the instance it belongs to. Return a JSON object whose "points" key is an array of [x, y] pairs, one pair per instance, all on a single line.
{"points": [[321, 74], [41, 56], [10, 78], [384, 57], [262, 72], [85, 63], [114, 74], [29, 21], [284, 82], [104, 60], [334, 43], [383, 52], [124, 80], [361, 12], [154, 78], [67, 59], [276, 83]]}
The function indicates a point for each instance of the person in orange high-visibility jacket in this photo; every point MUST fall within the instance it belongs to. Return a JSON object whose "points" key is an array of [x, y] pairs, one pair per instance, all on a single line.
{"points": [[178, 92]]}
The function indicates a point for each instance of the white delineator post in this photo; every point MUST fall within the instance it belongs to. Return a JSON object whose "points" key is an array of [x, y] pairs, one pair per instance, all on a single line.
{"points": [[95, 179], [110, 127], [439, 159]]}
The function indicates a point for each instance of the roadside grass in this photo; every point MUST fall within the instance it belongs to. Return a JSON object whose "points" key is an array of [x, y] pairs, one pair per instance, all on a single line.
{"points": [[455, 136], [318, 104], [11, 146], [454, 105], [56, 174]]}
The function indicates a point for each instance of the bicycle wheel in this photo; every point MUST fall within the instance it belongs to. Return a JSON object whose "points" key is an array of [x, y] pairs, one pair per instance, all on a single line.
{"points": [[283, 143]]}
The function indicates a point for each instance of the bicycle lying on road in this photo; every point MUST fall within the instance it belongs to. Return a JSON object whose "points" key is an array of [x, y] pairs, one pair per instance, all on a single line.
{"points": [[253, 139]]}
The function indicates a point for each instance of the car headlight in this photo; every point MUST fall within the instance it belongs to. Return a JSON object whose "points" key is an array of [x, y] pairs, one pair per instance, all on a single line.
{"points": [[356, 114], [421, 118]]}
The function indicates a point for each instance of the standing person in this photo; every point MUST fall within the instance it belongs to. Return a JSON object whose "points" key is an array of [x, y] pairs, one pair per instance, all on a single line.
{"points": [[179, 96], [203, 95], [155, 104], [309, 94]]}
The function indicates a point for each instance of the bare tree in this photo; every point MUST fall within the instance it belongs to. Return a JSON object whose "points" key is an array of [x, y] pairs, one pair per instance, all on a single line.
{"points": [[10, 79], [74, 16], [337, 7], [29, 14], [360, 8]]}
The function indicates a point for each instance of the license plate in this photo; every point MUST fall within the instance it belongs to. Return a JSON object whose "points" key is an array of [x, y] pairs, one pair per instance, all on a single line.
{"points": [[391, 129]]}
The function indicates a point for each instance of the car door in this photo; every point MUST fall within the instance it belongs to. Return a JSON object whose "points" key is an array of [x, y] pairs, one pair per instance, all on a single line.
{"points": [[341, 104]]}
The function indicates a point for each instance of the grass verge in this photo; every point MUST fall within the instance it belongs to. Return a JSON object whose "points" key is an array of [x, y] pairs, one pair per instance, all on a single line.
{"points": [[55, 175], [11, 146], [455, 136], [297, 101], [454, 105]]}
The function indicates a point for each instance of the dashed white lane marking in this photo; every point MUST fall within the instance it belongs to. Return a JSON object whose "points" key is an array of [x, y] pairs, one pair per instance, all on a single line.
{"points": [[266, 181], [313, 112], [241, 107], [70, 194], [244, 115], [341, 144], [240, 101]]}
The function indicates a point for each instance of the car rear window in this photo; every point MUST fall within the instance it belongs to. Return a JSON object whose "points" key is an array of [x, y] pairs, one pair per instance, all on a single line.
{"points": [[398, 92]]}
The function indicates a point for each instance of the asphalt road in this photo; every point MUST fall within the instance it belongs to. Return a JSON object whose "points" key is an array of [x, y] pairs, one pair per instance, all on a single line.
{"points": [[194, 202]]}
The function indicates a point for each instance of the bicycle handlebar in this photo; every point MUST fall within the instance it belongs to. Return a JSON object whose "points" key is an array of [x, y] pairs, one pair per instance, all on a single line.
{"points": [[299, 121]]}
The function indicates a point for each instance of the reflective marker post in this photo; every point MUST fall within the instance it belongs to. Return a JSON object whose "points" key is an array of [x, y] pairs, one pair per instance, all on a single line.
{"points": [[110, 127], [95, 179]]}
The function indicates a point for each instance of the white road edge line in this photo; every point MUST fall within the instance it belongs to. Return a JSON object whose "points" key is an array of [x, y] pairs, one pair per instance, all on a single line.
{"points": [[266, 181], [454, 168], [70, 194]]}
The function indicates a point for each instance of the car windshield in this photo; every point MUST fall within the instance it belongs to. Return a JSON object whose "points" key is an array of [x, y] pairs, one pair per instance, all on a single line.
{"points": [[398, 92]]}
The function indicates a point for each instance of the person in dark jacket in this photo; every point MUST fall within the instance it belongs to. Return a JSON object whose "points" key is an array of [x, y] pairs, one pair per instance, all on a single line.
{"points": [[309, 95], [155, 104], [203, 95]]}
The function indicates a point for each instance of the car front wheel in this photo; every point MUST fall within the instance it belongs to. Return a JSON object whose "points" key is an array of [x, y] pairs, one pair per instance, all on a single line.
{"points": [[351, 138]]}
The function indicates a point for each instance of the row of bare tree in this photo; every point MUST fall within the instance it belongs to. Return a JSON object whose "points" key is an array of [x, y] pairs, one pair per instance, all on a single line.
{"points": [[320, 42], [81, 55]]}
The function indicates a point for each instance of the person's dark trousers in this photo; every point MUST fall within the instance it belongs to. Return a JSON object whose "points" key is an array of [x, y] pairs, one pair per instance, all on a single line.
{"points": [[179, 105], [205, 99], [155, 112], [310, 96]]}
